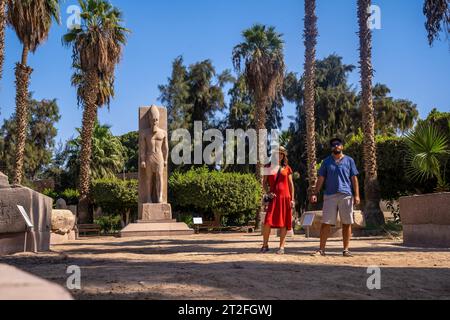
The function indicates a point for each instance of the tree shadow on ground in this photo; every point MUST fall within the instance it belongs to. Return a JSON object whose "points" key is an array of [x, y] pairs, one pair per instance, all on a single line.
{"points": [[105, 277], [212, 247]]}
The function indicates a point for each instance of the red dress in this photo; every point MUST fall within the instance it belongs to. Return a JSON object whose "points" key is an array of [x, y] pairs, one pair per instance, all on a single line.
{"points": [[279, 212]]}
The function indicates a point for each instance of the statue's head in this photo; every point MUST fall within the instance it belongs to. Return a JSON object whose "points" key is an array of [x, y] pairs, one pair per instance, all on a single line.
{"points": [[154, 117]]}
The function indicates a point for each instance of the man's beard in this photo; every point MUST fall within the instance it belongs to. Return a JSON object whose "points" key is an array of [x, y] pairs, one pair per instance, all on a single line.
{"points": [[337, 152]]}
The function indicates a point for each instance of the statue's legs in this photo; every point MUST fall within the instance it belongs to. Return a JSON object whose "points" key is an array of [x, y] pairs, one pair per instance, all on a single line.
{"points": [[159, 186], [149, 182]]}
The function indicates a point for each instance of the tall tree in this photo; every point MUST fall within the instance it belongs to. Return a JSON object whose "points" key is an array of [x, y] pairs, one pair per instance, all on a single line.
{"points": [[174, 95], [241, 115], [40, 139], [31, 20], [242, 108], [107, 154], [372, 210], [97, 48], [130, 143], [437, 13], [194, 93], [310, 36], [2, 35], [260, 58]]}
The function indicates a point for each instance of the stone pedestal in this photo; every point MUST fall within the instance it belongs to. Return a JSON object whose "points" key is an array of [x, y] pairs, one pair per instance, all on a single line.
{"points": [[155, 212], [156, 220], [426, 220]]}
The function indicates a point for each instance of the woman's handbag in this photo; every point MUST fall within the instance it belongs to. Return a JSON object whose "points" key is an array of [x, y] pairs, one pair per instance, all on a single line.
{"points": [[268, 198]]}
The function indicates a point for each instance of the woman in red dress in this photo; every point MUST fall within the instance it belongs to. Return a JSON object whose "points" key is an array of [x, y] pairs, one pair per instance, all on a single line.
{"points": [[280, 186]]}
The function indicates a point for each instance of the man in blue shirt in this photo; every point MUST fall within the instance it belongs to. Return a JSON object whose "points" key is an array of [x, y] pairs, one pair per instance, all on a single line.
{"points": [[340, 176]]}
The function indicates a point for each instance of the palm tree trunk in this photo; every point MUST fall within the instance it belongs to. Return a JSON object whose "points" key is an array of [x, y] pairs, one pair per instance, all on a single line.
{"points": [[310, 70], [2, 35], [372, 211], [23, 73], [89, 118], [260, 124]]}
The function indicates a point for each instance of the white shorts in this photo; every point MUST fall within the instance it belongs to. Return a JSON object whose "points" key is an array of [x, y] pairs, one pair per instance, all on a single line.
{"points": [[338, 203]]}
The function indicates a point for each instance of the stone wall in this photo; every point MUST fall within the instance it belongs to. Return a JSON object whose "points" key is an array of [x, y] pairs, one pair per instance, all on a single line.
{"points": [[426, 220], [12, 224]]}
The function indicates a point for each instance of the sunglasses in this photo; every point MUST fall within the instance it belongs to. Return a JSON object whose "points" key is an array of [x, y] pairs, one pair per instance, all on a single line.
{"points": [[335, 145]]}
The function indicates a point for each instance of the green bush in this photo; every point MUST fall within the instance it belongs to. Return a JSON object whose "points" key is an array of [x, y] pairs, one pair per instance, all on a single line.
{"points": [[115, 196], [109, 224], [234, 195], [71, 196], [51, 194], [186, 218], [392, 167]]}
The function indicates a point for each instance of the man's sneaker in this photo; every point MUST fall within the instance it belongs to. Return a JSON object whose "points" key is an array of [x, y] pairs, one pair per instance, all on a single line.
{"points": [[319, 253], [347, 254], [281, 252]]}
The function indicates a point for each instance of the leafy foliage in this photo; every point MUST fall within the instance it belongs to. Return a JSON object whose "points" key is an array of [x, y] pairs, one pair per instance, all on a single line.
{"points": [[115, 196], [437, 13], [40, 139], [130, 143], [109, 224], [193, 93], [428, 155], [214, 192], [107, 153]]}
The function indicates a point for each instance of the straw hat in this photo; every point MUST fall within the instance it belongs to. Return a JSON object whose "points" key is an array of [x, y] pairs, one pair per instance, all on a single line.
{"points": [[281, 150]]}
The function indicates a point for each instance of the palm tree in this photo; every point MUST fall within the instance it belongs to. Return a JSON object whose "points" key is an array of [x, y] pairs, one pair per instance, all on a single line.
{"points": [[97, 48], [107, 153], [31, 20], [372, 211], [105, 88], [438, 18], [261, 55], [427, 154], [2, 35], [310, 36]]}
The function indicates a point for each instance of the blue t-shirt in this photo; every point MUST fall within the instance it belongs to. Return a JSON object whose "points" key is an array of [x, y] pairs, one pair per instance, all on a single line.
{"points": [[338, 177]]}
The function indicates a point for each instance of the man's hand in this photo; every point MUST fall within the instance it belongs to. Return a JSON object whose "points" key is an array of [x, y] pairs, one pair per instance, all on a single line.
{"points": [[357, 200], [143, 165]]}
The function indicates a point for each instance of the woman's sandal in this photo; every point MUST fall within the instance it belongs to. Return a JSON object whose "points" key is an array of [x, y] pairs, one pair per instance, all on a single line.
{"points": [[319, 253], [347, 254], [264, 249]]}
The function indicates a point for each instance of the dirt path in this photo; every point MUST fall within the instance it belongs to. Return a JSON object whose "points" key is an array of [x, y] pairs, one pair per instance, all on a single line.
{"points": [[226, 267]]}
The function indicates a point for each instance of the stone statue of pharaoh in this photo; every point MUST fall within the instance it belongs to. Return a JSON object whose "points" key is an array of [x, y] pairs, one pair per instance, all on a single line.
{"points": [[154, 153]]}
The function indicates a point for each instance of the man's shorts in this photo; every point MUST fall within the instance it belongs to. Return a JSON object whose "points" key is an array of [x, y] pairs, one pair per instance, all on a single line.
{"points": [[341, 203]]}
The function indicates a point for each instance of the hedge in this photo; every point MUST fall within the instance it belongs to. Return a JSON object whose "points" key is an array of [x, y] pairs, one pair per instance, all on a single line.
{"points": [[115, 196], [392, 165], [233, 195]]}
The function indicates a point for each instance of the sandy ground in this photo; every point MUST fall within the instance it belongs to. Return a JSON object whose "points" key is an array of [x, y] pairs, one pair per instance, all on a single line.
{"points": [[226, 266]]}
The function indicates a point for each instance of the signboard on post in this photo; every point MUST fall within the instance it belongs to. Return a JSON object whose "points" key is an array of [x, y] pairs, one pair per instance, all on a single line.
{"points": [[307, 221], [29, 226], [25, 217], [198, 221]]}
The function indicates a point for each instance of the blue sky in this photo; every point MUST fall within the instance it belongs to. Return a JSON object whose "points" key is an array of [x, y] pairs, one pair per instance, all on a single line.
{"points": [[209, 29]]}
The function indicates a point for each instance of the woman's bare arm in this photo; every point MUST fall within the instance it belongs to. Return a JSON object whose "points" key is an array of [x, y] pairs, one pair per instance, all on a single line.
{"points": [[292, 187]]}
